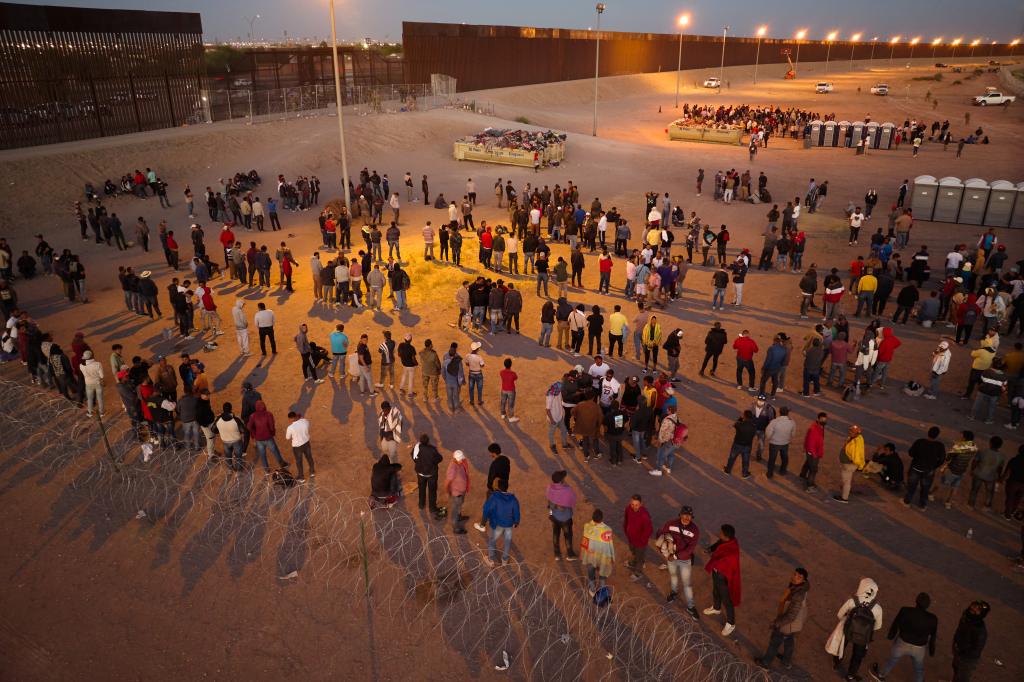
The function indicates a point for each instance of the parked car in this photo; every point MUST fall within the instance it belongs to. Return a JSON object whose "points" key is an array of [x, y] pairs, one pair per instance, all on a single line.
{"points": [[712, 82], [823, 88], [242, 83], [940, 65], [880, 89], [993, 98]]}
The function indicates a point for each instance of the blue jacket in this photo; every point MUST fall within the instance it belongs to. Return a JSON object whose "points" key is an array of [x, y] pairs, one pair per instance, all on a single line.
{"points": [[501, 510], [775, 357], [339, 342]]}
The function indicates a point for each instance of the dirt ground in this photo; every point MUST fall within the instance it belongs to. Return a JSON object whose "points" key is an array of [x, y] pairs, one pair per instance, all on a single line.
{"points": [[93, 596]]}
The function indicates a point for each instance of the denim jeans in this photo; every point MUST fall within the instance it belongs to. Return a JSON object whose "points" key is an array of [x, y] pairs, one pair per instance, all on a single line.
{"points": [[554, 428], [812, 378], [780, 451], [837, 371], [666, 452], [718, 298], [452, 390], [680, 571], [639, 443], [865, 298], [476, 379], [492, 540], [901, 649], [742, 451], [776, 640], [94, 393], [508, 403], [542, 280], [545, 333], [638, 343], [400, 300], [338, 359], [740, 366], [604, 281], [190, 433], [478, 315], [233, 453], [984, 403], [881, 373], [919, 479], [261, 451]]}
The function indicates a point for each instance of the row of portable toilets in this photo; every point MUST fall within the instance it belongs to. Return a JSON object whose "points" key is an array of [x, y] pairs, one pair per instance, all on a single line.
{"points": [[847, 134], [971, 202]]}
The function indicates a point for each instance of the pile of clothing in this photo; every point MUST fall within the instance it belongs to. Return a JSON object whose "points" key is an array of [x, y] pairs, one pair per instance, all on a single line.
{"points": [[501, 138]]}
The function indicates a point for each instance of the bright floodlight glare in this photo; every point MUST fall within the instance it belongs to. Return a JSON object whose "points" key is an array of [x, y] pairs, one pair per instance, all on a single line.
{"points": [[957, 41], [916, 40], [832, 36], [1015, 43], [761, 31], [600, 7], [974, 42], [855, 37], [801, 34], [684, 20], [895, 39], [937, 41]]}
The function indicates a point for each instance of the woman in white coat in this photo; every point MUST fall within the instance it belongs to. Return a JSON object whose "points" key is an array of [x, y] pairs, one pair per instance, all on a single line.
{"points": [[859, 617]]}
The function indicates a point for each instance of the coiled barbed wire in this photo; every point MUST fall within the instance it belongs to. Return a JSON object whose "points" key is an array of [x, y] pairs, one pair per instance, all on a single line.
{"points": [[541, 619]]}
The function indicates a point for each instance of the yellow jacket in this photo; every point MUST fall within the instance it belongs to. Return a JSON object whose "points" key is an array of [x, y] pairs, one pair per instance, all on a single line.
{"points": [[867, 283], [854, 451]]}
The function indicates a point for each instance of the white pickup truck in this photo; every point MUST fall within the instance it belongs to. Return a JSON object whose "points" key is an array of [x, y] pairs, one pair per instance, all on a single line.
{"points": [[993, 98]]}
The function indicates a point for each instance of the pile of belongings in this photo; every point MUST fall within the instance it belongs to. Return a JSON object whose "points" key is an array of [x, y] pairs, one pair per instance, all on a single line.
{"points": [[527, 140]]}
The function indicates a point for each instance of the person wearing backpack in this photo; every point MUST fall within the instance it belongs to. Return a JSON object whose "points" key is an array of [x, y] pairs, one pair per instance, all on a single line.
{"points": [[859, 617], [671, 434], [454, 376], [789, 620], [913, 632]]}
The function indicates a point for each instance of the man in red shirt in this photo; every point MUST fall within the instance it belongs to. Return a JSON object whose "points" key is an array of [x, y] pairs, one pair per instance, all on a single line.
{"points": [[508, 392], [724, 567], [604, 263], [886, 349], [227, 240], [172, 250], [745, 348], [638, 528], [856, 270], [814, 449]]}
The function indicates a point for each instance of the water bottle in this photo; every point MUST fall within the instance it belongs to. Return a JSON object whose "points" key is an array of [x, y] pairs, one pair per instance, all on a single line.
{"points": [[970, 533]]}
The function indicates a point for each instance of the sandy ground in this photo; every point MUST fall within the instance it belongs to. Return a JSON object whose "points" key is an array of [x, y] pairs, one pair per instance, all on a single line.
{"points": [[82, 598]]}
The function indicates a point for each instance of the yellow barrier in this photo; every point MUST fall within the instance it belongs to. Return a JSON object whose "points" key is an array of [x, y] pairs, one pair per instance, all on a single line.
{"points": [[716, 135], [465, 151]]}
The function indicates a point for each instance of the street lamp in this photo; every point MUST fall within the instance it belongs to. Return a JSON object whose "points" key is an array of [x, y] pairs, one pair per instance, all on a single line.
{"points": [[935, 45], [853, 40], [337, 99], [892, 50], [992, 52], [683, 22], [974, 44], [955, 44], [721, 69], [1013, 45], [800, 35], [251, 20], [757, 55], [913, 43], [597, 60], [874, 41], [829, 39]]}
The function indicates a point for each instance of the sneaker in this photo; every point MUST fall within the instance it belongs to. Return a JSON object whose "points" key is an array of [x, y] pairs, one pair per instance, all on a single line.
{"points": [[655, 472], [711, 611], [480, 527], [1012, 427], [693, 612], [513, 420], [671, 597], [837, 498], [558, 557], [876, 673], [728, 629], [666, 469], [746, 476], [319, 381], [571, 557], [948, 505], [379, 385]]}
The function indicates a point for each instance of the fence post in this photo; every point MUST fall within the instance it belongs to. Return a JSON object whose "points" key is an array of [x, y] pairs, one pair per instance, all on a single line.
{"points": [[135, 102], [170, 99], [229, 103], [250, 105]]}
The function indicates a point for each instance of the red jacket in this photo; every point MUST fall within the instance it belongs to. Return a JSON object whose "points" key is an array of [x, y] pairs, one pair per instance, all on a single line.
{"points": [[261, 423], [227, 238], [171, 244], [888, 345], [745, 347], [814, 440], [726, 560], [638, 527]]}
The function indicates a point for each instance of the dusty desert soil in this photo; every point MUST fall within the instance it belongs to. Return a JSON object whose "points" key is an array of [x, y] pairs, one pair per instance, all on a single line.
{"points": [[97, 594]]}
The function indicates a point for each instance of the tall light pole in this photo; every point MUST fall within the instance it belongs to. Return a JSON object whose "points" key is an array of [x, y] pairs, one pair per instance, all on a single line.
{"points": [[683, 21], [874, 41], [974, 44], [935, 45], [1013, 45], [337, 99], [251, 20], [892, 50], [597, 60], [800, 35], [955, 44], [853, 46], [913, 44], [757, 55], [829, 39], [721, 68], [992, 52]]}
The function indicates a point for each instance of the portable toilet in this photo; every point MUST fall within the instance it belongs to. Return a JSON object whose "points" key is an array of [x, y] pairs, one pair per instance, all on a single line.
{"points": [[922, 197], [1001, 195], [974, 201], [858, 133], [843, 135], [1017, 219], [829, 138], [817, 133], [871, 131], [947, 200], [888, 131]]}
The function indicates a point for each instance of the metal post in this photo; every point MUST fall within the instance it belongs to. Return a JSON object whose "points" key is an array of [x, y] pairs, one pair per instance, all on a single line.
{"points": [[872, 58], [170, 99], [597, 62], [250, 105], [757, 58], [679, 66], [852, 49], [828, 52], [892, 51], [229, 101], [135, 102], [337, 97], [796, 66], [721, 68]]}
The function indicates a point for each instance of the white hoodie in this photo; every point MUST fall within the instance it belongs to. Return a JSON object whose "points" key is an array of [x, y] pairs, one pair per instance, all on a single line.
{"points": [[867, 592], [940, 361], [239, 315]]}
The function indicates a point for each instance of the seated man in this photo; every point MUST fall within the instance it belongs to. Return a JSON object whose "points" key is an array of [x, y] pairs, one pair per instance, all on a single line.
{"points": [[385, 487], [888, 465]]}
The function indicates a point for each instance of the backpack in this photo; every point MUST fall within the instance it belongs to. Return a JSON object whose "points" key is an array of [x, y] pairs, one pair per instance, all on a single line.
{"points": [[603, 596], [970, 316], [283, 478], [680, 433], [453, 366], [860, 623]]}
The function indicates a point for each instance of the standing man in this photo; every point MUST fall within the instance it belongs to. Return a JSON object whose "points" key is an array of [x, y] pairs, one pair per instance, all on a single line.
{"points": [[297, 434], [456, 483], [779, 434], [926, 456], [430, 368], [724, 567], [501, 511], [913, 634], [339, 350], [407, 355], [814, 450], [241, 327], [789, 620], [387, 362], [678, 540], [741, 443], [454, 376], [427, 459], [638, 528], [561, 503], [745, 348], [264, 321], [851, 459], [969, 641]]}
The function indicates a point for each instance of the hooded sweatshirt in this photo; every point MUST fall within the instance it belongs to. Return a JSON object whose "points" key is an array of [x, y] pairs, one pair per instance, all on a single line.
{"points": [[261, 423], [867, 592], [971, 634], [792, 611], [637, 526], [229, 428], [457, 477], [888, 345], [238, 315], [725, 559], [502, 510]]}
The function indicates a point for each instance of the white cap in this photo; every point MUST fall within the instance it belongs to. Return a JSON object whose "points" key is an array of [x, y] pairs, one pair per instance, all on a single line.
{"points": [[458, 455]]}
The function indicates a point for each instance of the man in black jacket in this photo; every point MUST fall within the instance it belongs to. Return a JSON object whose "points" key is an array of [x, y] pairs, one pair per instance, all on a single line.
{"points": [[426, 459], [969, 641], [714, 344], [500, 469], [914, 630], [926, 456]]}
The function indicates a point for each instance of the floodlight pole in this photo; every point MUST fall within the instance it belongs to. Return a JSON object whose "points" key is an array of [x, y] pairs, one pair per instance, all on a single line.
{"points": [[597, 60], [337, 99], [721, 69], [679, 65]]}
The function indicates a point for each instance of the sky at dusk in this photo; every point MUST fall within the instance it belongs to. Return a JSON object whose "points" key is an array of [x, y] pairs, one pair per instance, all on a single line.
{"points": [[988, 20]]}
